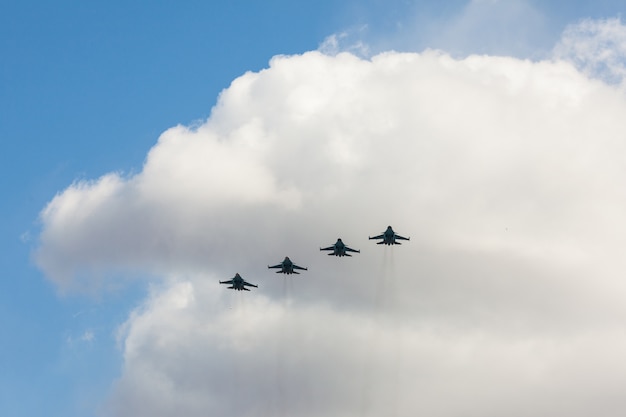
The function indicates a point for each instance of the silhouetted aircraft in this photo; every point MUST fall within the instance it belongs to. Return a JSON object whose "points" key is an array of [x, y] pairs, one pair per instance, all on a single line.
{"points": [[389, 237], [287, 267], [340, 249], [238, 283]]}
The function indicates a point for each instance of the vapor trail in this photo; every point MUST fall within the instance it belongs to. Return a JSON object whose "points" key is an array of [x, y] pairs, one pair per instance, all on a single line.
{"points": [[389, 366], [396, 357], [369, 362], [237, 312], [284, 342], [285, 291]]}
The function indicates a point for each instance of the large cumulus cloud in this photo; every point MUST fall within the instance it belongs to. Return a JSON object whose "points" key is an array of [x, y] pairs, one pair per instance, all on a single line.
{"points": [[507, 174]]}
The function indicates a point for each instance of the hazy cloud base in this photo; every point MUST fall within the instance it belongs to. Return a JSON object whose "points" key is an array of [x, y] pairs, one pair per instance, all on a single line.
{"points": [[508, 300]]}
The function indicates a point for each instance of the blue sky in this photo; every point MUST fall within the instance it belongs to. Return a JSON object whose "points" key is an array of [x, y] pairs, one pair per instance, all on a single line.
{"points": [[87, 89]]}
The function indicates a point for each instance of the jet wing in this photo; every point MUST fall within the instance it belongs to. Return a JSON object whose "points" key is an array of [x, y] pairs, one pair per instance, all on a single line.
{"points": [[230, 281], [378, 237], [251, 285], [402, 237], [299, 267], [352, 250], [276, 266], [328, 248]]}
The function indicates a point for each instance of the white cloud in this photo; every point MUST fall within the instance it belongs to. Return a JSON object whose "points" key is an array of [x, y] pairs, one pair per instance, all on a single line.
{"points": [[507, 174], [597, 47], [494, 27], [192, 352], [346, 41], [88, 336], [512, 27]]}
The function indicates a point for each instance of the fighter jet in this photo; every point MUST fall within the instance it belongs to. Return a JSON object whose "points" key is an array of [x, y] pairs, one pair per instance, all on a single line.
{"points": [[340, 249], [287, 267], [238, 283], [389, 237]]}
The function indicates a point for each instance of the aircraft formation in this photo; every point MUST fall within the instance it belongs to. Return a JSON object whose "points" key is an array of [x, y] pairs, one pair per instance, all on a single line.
{"points": [[288, 267]]}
